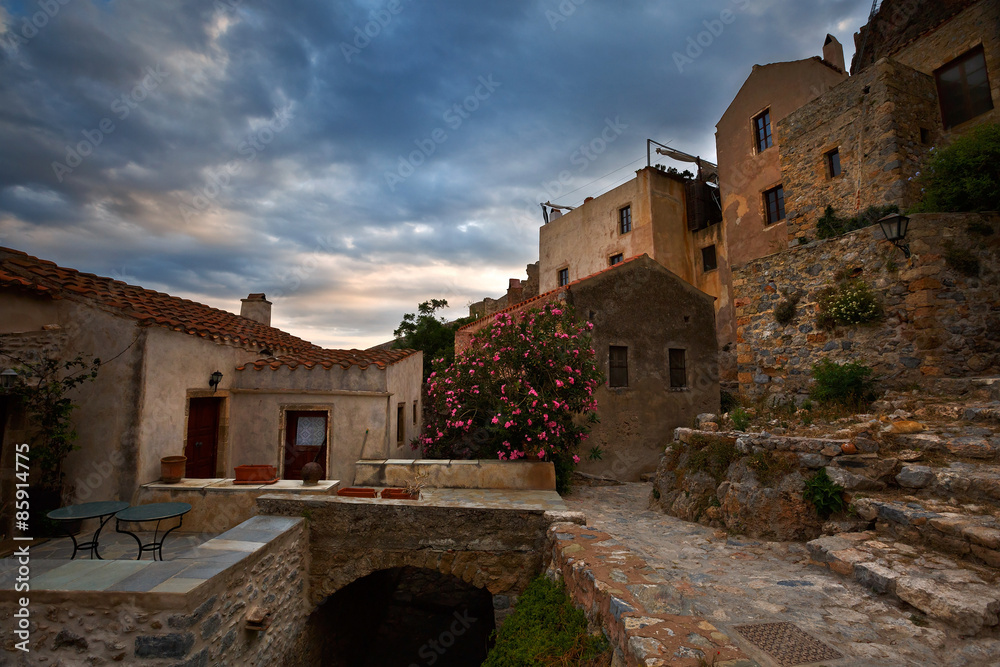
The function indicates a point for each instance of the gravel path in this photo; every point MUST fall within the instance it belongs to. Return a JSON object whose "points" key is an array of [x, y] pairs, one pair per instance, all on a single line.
{"points": [[731, 580]]}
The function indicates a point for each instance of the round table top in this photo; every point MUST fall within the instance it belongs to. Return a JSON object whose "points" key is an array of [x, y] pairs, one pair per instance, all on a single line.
{"points": [[153, 511], [87, 510]]}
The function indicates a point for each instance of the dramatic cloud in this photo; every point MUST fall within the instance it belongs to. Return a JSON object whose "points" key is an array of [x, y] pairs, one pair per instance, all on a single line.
{"points": [[352, 159]]}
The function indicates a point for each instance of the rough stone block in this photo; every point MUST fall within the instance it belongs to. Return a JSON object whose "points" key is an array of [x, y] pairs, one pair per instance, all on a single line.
{"points": [[967, 610], [983, 536], [173, 645], [989, 556], [876, 576], [915, 477]]}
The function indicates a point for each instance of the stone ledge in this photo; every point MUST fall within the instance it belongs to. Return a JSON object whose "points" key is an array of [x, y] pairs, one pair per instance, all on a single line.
{"points": [[457, 473]]}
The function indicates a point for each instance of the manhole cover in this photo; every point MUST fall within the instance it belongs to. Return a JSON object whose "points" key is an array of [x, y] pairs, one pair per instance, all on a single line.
{"points": [[786, 643]]}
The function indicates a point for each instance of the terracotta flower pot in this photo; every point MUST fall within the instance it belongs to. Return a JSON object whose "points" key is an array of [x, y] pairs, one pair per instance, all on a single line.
{"points": [[356, 492], [399, 494], [172, 469], [255, 474]]}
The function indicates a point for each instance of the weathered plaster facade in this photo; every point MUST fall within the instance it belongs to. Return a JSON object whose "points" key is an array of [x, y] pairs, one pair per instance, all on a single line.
{"points": [[746, 172]]}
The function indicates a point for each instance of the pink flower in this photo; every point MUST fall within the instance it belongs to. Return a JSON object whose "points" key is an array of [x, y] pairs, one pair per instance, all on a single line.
{"points": [[541, 453], [576, 459], [496, 419]]}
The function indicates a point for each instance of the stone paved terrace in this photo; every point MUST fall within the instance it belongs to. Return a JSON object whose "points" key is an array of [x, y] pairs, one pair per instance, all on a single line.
{"points": [[730, 581]]}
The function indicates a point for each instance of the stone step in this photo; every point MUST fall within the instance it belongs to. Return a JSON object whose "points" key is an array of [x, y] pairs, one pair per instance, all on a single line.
{"points": [[955, 529], [962, 596]]}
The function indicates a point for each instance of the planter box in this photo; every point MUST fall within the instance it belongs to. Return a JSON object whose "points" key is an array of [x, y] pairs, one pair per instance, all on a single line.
{"points": [[356, 492], [399, 494], [251, 474]]}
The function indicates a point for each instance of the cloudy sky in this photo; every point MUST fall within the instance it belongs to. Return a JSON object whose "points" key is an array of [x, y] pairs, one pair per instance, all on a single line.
{"points": [[351, 158]]}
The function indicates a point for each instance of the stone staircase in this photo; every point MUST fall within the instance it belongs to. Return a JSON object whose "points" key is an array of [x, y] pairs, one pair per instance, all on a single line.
{"points": [[924, 511]]}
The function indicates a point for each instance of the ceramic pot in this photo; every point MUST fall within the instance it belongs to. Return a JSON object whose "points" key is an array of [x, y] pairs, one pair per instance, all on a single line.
{"points": [[172, 469]]}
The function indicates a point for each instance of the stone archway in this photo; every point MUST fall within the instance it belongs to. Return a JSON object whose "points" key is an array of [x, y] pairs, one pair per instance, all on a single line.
{"points": [[401, 616]]}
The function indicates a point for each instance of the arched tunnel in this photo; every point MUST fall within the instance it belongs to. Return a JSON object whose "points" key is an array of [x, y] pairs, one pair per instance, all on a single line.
{"points": [[402, 617]]}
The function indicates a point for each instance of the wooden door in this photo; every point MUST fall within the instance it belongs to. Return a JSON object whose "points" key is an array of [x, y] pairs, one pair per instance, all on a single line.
{"points": [[202, 445], [305, 440]]}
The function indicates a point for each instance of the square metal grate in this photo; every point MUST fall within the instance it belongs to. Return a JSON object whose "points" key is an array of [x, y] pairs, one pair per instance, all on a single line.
{"points": [[786, 643]]}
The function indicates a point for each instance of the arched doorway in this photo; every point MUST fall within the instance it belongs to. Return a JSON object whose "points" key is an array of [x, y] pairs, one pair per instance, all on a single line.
{"points": [[405, 617]]}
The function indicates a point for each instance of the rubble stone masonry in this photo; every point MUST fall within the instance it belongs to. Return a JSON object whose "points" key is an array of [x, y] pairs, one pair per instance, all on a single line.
{"points": [[938, 322]]}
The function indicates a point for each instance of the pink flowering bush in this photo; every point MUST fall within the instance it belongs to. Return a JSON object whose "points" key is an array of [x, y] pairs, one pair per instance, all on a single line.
{"points": [[523, 390]]}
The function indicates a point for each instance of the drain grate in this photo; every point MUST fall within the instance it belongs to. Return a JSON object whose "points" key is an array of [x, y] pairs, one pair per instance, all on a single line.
{"points": [[786, 643]]}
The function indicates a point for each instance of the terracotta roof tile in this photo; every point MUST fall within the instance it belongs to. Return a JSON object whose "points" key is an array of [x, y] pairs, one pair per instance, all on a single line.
{"points": [[22, 271]]}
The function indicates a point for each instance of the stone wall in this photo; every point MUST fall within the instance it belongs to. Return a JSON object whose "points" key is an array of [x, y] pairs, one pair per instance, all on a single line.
{"points": [[938, 322], [883, 110], [201, 627]]}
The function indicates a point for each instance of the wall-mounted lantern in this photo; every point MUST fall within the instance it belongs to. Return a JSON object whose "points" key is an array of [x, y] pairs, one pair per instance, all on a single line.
{"points": [[215, 380], [894, 227], [8, 378]]}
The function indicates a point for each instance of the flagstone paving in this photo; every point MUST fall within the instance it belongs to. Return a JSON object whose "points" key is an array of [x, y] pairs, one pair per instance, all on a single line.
{"points": [[733, 581]]}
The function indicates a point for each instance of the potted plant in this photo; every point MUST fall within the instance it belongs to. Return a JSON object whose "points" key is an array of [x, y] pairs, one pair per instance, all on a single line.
{"points": [[256, 474], [172, 469], [356, 492]]}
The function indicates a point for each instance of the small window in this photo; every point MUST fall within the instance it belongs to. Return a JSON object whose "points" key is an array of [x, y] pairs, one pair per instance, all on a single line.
{"points": [[617, 366], [414, 413], [762, 131], [925, 136], [963, 88], [708, 259], [678, 370], [616, 259], [833, 163], [400, 424], [625, 220], [563, 277], [774, 205]]}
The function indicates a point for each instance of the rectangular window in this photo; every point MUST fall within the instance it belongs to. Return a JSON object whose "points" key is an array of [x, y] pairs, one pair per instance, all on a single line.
{"points": [[400, 424], [616, 259], [762, 131], [617, 366], [963, 88], [708, 259], [925, 136], [625, 220], [678, 370], [833, 163], [414, 413], [774, 205], [563, 277]]}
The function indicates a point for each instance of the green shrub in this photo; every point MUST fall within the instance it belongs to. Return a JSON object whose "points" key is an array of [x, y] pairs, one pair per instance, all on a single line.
{"points": [[849, 384], [851, 302], [831, 224], [728, 401], [741, 420], [825, 495], [961, 259], [711, 455], [784, 312], [546, 629], [965, 176], [770, 467]]}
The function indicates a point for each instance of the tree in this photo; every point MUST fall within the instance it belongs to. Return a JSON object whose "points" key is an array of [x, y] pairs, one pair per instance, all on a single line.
{"points": [[523, 390], [429, 334], [965, 176], [41, 391]]}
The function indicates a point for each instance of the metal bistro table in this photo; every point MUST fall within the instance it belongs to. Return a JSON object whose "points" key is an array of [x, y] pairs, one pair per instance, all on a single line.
{"points": [[102, 510], [153, 512]]}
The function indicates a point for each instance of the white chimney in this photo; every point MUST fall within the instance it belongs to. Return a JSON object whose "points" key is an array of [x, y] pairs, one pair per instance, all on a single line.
{"points": [[257, 308]]}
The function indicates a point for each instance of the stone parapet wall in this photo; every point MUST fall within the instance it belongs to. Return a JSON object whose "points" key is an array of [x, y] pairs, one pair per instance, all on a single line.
{"points": [[882, 110], [938, 322], [457, 474], [167, 625]]}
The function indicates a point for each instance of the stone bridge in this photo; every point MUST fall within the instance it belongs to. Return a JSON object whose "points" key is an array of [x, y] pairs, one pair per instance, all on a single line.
{"points": [[494, 539]]}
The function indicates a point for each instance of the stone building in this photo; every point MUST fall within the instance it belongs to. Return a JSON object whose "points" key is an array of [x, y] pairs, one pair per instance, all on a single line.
{"points": [[748, 147], [281, 400], [650, 325], [671, 219], [927, 72]]}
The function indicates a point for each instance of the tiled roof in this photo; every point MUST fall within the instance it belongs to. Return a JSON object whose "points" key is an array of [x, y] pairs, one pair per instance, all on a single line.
{"points": [[330, 358], [22, 271], [547, 295]]}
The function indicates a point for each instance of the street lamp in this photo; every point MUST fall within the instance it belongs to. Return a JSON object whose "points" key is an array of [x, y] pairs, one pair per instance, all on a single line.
{"points": [[215, 380], [8, 378], [894, 227]]}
